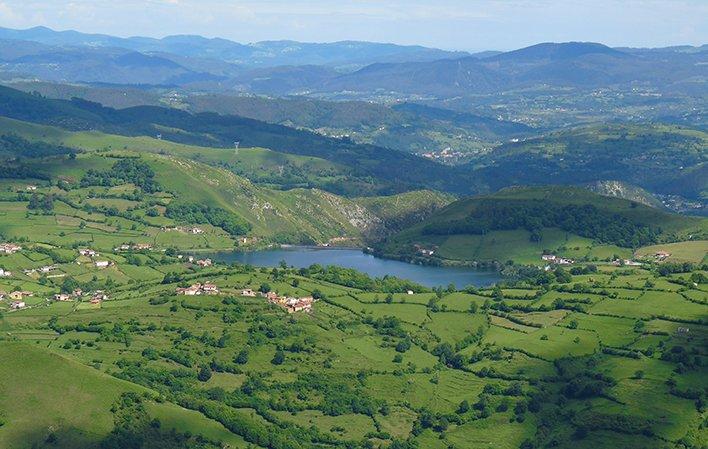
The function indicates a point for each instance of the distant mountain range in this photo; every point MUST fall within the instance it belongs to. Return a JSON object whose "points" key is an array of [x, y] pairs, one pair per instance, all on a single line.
{"points": [[355, 68], [266, 53]]}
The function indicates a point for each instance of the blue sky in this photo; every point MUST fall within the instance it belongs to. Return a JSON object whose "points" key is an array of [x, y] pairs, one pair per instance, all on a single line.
{"points": [[450, 24]]}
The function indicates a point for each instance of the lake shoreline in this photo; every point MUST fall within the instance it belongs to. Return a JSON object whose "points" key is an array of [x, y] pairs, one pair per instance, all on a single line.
{"points": [[302, 256]]}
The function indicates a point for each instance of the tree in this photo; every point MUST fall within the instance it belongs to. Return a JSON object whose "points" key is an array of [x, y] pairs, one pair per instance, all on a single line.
{"points": [[278, 358], [204, 373], [242, 357]]}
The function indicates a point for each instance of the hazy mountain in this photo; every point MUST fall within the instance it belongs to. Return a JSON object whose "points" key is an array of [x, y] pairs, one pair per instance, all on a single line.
{"points": [[266, 53], [95, 65], [574, 64]]}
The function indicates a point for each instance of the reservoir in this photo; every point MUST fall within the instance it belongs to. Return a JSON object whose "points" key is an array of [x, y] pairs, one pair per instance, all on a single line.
{"points": [[302, 257]]}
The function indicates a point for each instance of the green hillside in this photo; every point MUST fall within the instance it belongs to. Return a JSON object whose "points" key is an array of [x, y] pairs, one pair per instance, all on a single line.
{"points": [[660, 158], [559, 359], [195, 176], [520, 223]]}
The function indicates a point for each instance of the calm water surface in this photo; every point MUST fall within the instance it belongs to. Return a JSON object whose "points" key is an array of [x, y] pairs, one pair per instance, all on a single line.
{"points": [[301, 257]]}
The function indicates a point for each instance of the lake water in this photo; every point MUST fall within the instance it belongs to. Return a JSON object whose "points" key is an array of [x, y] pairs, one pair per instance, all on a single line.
{"points": [[301, 257]]}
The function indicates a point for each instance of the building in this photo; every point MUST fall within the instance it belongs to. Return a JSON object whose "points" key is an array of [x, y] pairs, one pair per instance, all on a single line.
{"points": [[548, 257], [17, 305], [62, 297], [2, 295], [9, 248], [19, 295], [210, 289], [98, 296], [103, 263], [248, 292], [142, 246], [77, 293], [195, 230], [47, 269], [88, 252], [204, 263], [299, 304], [5, 274], [193, 290], [661, 255], [31, 188]]}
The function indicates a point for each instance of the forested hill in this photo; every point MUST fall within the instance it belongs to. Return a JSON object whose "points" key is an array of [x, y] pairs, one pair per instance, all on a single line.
{"points": [[519, 223], [394, 170]]}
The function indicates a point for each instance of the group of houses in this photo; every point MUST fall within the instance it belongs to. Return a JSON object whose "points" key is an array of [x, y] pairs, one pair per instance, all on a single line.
{"points": [[199, 289], [43, 270], [17, 298], [291, 304], [9, 248], [88, 252], [626, 263], [96, 297], [188, 229], [133, 247], [552, 258]]}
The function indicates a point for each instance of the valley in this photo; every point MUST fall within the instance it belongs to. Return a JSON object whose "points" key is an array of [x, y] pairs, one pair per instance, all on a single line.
{"points": [[281, 244]]}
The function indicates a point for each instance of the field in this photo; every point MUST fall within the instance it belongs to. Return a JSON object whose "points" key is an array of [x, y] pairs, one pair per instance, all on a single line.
{"points": [[445, 369]]}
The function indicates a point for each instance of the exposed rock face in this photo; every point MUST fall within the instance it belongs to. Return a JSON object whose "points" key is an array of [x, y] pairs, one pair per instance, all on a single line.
{"points": [[625, 191]]}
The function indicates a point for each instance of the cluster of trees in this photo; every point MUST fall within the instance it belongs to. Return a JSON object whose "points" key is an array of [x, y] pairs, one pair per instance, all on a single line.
{"points": [[44, 203], [125, 171], [356, 279], [215, 216], [17, 146], [533, 215]]}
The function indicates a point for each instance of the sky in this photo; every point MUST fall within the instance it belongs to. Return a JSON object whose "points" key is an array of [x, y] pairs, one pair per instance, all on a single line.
{"points": [[471, 25]]}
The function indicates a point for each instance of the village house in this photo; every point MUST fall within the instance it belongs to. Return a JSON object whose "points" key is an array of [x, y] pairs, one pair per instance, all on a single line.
{"points": [[123, 247], [103, 263], [98, 296], [9, 248], [556, 260], [17, 305], [210, 289], [248, 292], [626, 262], [77, 293], [193, 290], [293, 305], [190, 259], [5, 274], [88, 252], [62, 297], [142, 246], [204, 263], [31, 188], [195, 230], [18, 295], [290, 304], [47, 269], [409, 292], [2, 295], [661, 255]]}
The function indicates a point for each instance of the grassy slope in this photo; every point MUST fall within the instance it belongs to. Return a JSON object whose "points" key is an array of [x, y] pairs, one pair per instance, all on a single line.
{"points": [[515, 245], [296, 214], [42, 392], [526, 355]]}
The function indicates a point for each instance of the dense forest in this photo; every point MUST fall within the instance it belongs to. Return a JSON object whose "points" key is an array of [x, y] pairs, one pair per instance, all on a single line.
{"points": [[124, 171], [215, 216], [584, 220]]}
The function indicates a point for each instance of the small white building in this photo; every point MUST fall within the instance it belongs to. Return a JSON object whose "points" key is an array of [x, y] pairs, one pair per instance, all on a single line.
{"points": [[15, 305], [5, 274], [102, 263]]}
